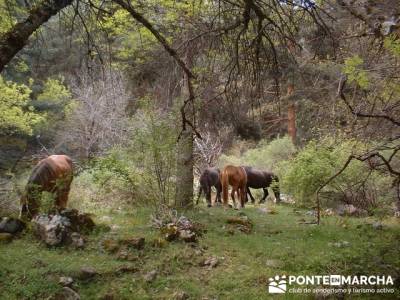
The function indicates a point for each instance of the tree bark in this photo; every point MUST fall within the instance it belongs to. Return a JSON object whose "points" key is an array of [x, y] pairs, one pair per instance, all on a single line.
{"points": [[185, 158], [184, 174], [16, 38], [291, 115]]}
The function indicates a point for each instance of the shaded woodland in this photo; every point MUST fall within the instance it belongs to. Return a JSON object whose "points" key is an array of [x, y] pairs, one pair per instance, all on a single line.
{"points": [[144, 96]]}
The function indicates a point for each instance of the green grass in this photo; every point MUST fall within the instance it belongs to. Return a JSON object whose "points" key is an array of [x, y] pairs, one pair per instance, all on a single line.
{"points": [[278, 245]]}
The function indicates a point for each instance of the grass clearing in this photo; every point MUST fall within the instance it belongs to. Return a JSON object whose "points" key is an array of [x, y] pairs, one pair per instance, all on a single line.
{"points": [[278, 245]]}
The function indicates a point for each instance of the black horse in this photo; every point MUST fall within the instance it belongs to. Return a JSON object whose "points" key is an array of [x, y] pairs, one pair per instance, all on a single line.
{"points": [[208, 179], [257, 179]]}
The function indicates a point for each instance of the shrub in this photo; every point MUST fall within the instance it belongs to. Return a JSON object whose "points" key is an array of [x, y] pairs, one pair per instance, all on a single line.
{"points": [[317, 162], [140, 173], [266, 155]]}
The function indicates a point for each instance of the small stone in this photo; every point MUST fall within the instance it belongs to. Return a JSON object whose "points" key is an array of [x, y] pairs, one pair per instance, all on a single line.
{"points": [[77, 241], [5, 237], [136, 243], [180, 295], [345, 243], [115, 227], [87, 273], [66, 294], [66, 281], [187, 235], [127, 269], [377, 226], [151, 276], [122, 254], [11, 225], [211, 262]]}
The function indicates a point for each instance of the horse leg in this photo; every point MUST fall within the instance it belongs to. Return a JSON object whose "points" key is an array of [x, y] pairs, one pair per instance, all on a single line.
{"points": [[251, 196], [242, 194], [265, 195], [218, 197], [233, 196], [276, 191], [208, 196]]}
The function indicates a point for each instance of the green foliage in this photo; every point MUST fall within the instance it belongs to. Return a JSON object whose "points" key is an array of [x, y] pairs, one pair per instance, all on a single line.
{"points": [[17, 116], [141, 172], [54, 91], [110, 181], [153, 150], [393, 45], [306, 172], [353, 69], [266, 155], [318, 161]]}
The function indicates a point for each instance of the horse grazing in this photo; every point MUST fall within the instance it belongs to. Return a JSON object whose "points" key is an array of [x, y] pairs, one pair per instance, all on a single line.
{"points": [[208, 179], [54, 175], [258, 179], [237, 178]]}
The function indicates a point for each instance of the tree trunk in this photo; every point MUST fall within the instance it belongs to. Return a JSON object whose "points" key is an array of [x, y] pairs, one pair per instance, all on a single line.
{"points": [[184, 170], [185, 159], [291, 115], [16, 38]]}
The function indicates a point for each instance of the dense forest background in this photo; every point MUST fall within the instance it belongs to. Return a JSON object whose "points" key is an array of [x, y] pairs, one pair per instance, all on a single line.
{"points": [[144, 94]]}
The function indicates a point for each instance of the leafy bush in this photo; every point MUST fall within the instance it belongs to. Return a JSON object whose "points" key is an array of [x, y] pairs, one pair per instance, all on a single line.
{"points": [[17, 115], [266, 155], [140, 172], [317, 162]]}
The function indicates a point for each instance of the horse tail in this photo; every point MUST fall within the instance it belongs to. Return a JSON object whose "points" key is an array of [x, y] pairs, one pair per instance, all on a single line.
{"points": [[275, 188], [199, 194], [225, 186]]}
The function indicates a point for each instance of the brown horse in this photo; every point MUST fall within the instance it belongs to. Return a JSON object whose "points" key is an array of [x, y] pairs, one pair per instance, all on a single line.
{"points": [[54, 175], [237, 178]]}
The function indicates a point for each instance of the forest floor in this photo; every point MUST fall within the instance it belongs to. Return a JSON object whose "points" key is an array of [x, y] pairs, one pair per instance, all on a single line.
{"points": [[280, 243]]}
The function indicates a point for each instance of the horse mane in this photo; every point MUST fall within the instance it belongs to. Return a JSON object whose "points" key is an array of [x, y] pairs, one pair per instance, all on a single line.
{"points": [[40, 175]]}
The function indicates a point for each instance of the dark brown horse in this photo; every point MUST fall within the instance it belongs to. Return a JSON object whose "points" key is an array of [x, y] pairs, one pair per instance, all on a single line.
{"points": [[54, 175], [257, 179], [210, 178], [237, 178]]}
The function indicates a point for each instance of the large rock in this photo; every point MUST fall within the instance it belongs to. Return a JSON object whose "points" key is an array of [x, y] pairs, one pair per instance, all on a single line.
{"points": [[66, 281], [66, 293], [63, 228], [11, 225], [241, 223], [87, 273], [80, 222], [53, 230]]}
